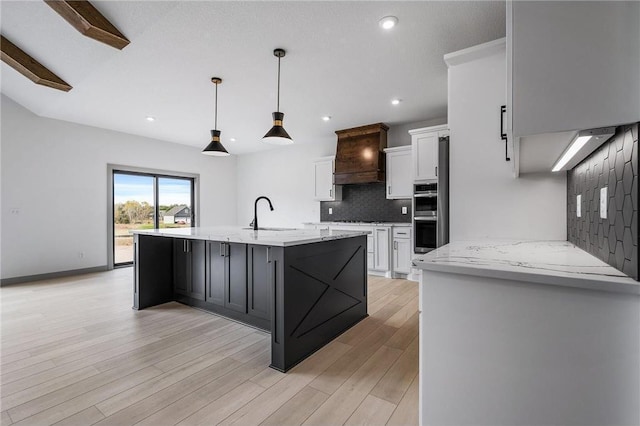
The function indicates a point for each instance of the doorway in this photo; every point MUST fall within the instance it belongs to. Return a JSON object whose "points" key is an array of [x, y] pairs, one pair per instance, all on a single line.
{"points": [[144, 199]]}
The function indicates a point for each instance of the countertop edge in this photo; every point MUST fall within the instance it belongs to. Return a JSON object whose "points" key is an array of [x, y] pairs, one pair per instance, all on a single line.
{"points": [[263, 242], [533, 277]]}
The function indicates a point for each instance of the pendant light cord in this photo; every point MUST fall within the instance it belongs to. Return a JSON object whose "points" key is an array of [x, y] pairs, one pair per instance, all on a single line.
{"points": [[278, 104], [215, 120]]}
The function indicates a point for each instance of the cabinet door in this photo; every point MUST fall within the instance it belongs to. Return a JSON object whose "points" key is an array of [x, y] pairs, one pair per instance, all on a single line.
{"points": [[197, 262], [323, 180], [236, 277], [181, 267], [425, 156], [402, 255], [259, 282], [399, 176], [381, 252], [216, 276]]}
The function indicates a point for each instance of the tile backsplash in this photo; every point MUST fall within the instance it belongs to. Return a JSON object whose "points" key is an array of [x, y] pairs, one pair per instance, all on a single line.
{"points": [[613, 166], [365, 202]]}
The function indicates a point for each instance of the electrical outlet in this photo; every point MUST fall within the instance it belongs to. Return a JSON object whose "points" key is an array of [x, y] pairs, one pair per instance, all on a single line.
{"points": [[579, 205], [330, 210], [404, 210], [603, 203]]}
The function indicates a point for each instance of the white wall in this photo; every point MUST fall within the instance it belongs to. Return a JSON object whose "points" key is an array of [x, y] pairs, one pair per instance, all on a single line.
{"points": [[285, 175], [486, 201], [55, 173]]}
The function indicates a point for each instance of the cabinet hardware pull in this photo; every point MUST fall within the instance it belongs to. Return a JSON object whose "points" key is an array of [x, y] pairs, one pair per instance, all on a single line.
{"points": [[330, 193], [184, 246], [389, 190], [436, 170], [268, 254], [395, 245], [503, 135], [222, 249]]}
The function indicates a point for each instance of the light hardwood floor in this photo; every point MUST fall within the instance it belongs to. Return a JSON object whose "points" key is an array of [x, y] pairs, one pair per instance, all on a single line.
{"points": [[73, 352]]}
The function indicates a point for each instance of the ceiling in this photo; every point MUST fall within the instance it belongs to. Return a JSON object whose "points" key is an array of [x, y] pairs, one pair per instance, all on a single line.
{"points": [[339, 63]]}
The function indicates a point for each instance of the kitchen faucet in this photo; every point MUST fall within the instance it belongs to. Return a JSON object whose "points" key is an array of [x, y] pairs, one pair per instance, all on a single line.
{"points": [[255, 211]]}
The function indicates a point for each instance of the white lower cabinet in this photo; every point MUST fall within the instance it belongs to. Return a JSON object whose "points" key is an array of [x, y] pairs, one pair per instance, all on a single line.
{"points": [[402, 256], [402, 250], [381, 248]]}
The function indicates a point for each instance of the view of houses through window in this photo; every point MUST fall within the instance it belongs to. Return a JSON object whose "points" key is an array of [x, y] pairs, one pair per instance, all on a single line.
{"points": [[147, 201]]}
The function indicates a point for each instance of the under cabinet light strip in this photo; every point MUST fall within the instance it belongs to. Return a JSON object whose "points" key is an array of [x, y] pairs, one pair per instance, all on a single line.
{"points": [[575, 147]]}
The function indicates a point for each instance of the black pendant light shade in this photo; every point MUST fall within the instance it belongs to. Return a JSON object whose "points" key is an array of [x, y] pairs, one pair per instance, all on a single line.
{"points": [[277, 135], [215, 147]]}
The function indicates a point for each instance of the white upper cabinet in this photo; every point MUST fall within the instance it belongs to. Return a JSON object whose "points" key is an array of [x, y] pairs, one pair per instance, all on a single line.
{"points": [[399, 175], [572, 65], [325, 190], [424, 146]]}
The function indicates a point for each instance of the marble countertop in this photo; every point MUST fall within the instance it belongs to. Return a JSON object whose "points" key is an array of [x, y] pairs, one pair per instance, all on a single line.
{"points": [[360, 223], [545, 262], [237, 234]]}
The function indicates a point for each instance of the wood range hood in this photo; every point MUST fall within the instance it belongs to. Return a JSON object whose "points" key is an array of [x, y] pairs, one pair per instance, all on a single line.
{"points": [[359, 155]]}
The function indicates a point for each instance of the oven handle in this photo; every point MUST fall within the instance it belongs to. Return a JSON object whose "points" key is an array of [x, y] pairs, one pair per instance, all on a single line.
{"points": [[431, 219], [426, 195]]}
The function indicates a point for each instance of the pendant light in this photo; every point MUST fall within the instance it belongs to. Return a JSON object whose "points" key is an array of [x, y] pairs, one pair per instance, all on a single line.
{"points": [[277, 135], [215, 147]]}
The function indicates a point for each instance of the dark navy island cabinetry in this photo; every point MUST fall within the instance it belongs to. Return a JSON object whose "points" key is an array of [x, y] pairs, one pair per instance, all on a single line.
{"points": [[189, 267], [305, 287]]}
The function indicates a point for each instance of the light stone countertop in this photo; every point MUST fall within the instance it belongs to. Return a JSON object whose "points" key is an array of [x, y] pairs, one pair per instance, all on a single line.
{"points": [[238, 234], [360, 223], [545, 262]]}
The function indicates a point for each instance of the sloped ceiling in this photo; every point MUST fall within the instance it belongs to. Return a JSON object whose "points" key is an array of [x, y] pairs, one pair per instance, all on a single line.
{"points": [[339, 62]]}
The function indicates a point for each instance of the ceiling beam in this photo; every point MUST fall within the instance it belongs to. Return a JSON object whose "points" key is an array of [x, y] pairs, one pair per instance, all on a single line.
{"points": [[29, 67], [85, 18]]}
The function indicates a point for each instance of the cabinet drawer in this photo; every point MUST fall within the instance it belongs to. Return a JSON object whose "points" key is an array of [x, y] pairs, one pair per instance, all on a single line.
{"points": [[402, 232]]}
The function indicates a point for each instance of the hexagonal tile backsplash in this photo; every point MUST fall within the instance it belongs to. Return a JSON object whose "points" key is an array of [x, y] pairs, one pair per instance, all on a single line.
{"points": [[613, 165], [366, 202]]}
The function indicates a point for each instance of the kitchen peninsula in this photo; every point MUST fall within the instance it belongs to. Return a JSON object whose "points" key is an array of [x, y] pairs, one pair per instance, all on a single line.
{"points": [[543, 322], [303, 286]]}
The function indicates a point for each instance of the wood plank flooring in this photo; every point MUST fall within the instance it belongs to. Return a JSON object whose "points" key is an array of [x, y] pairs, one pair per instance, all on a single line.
{"points": [[73, 352]]}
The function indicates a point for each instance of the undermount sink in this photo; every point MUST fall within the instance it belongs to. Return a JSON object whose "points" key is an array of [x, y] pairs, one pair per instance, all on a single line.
{"points": [[273, 229]]}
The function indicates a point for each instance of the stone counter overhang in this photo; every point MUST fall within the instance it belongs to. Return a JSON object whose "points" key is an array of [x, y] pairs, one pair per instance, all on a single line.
{"points": [[558, 263], [237, 234]]}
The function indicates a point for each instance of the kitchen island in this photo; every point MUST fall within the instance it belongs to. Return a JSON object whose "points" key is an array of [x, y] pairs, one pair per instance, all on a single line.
{"points": [[305, 287], [527, 332]]}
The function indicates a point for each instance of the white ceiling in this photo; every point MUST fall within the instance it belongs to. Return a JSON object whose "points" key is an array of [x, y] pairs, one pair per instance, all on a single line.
{"points": [[339, 62]]}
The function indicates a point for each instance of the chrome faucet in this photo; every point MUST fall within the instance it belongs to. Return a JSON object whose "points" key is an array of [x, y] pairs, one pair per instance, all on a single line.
{"points": [[255, 211]]}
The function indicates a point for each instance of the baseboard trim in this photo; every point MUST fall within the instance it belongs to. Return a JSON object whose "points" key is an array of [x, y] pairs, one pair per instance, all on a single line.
{"points": [[50, 275]]}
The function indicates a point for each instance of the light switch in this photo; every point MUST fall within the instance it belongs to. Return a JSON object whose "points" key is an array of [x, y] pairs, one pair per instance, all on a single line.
{"points": [[603, 203], [579, 205], [404, 210], [330, 210]]}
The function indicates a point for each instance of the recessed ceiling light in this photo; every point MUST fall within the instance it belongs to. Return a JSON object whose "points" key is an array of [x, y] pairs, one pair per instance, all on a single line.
{"points": [[326, 118], [388, 22], [150, 118], [395, 101], [232, 139]]}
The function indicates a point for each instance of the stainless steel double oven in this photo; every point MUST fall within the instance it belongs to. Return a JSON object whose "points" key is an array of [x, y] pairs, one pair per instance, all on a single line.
{"points": [[431, 206]]}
